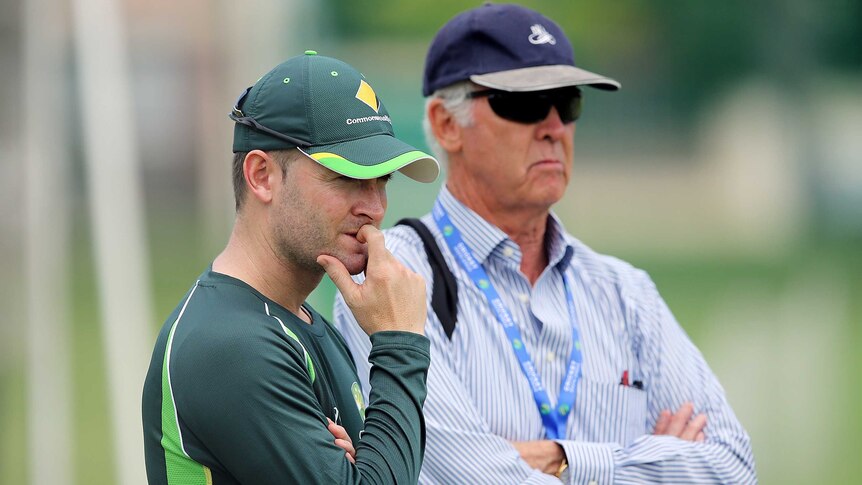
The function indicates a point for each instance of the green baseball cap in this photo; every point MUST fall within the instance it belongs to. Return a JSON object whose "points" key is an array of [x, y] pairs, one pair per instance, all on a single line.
{"points": [[325, 108]]}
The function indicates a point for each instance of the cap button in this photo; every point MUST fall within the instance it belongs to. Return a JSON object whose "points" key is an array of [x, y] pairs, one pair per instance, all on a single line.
{"points": [[311, 53]]}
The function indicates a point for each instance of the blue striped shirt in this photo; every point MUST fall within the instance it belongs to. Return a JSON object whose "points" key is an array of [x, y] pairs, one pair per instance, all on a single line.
{"points": [[479, 399]]}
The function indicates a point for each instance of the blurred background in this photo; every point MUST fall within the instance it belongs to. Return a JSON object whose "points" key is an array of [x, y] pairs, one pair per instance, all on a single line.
{"points": [[729, 167]]}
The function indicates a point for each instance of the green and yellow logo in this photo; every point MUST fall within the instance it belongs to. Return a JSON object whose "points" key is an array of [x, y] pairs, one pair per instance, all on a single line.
{"points": [[545, 409], [357, 396], [367, 95]]}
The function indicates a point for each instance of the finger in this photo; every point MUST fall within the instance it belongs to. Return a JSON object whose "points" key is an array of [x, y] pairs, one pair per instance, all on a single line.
{"points": [[372, 237], [339, 275], [346, 446], [342, 439], [663, 422], [341, 444], [680, 419], [332, 427], [694, 427], [365, 231], [338, 431], [700, 437]]}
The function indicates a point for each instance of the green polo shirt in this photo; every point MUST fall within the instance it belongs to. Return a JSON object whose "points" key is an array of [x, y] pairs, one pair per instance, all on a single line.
{"points": [[239, 389]]}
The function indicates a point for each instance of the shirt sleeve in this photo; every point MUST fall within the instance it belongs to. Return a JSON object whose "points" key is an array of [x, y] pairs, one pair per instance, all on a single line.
{"points": [[257, 413], [673, 371]]}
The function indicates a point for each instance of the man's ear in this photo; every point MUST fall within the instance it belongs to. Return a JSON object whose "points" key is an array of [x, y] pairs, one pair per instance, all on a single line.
{"points": [[446, 129], [261, 173]]}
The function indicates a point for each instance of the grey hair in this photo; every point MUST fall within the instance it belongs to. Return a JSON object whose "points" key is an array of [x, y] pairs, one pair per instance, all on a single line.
{"points": [[455, 100]]}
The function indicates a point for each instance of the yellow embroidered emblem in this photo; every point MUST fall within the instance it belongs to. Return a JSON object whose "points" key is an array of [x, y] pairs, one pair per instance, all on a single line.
{"points": [[367, 95]]}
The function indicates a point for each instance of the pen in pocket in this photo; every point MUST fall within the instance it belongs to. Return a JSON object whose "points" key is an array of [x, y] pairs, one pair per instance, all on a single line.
{"points": [[624, 381]]}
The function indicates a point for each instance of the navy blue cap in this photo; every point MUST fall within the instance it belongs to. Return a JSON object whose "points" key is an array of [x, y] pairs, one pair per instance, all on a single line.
{"points": [[506, 47]]}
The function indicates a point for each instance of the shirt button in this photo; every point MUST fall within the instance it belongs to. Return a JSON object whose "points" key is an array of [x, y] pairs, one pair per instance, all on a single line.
{"points": [[523, 297], [550, 356], [508, 252]]}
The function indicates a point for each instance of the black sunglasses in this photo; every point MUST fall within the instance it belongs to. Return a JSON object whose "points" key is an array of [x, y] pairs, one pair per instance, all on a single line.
{"points": [[533, 106], [238, 116]]}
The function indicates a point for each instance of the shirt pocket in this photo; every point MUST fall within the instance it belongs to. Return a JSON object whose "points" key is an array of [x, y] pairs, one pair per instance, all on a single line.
{"points": [[610, 412]]}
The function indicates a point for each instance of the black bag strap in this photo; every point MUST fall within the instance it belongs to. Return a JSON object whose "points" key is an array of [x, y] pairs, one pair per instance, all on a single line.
{"points": [[444, 296]]}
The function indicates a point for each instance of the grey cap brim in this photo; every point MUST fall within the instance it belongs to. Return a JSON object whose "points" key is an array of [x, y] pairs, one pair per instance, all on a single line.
{"points": [[375, 156], [540, 78]]}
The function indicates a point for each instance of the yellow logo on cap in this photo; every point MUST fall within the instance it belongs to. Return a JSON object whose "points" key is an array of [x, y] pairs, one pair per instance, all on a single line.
{"points": [[367, 96]]}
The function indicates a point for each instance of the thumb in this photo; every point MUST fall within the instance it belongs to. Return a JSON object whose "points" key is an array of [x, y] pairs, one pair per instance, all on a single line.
{"points": [[339, 275]]}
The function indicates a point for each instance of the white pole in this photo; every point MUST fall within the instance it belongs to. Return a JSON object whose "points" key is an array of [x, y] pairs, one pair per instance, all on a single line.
{"points": [[234, 43], [257, 35], [214, 130], [47, 244], [117, 223]]}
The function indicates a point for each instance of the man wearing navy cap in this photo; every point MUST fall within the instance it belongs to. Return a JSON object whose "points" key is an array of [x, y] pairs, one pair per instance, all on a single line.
{"points": [[248, 384], [550, 362]]}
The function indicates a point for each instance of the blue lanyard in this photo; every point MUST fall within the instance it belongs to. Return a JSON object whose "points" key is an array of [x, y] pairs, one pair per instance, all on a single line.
{"points": [[553, 419]]}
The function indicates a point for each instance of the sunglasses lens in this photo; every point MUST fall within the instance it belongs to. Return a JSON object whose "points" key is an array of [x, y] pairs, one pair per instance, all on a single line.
{"points": [[522, 108], [569, 107], [534, 107]]}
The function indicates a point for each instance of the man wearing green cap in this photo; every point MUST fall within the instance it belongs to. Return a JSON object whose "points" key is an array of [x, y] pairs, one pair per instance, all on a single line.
{"points": [[249, 384]]}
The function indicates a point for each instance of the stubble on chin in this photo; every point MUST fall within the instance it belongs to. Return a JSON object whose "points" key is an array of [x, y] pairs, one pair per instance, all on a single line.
{"points": [[353, 255], [355, 262]]}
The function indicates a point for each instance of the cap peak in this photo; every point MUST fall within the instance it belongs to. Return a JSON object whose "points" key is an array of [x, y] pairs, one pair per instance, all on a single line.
{"points": [[503, 41]]}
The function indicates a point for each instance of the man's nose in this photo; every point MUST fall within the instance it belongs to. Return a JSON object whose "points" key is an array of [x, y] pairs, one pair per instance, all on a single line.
{"points": [[552, 127], [372, 200]]}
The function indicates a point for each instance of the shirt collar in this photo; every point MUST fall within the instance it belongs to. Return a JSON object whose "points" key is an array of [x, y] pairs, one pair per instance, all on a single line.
{"points": [[483, 237], [560, 248], [480, 235]]}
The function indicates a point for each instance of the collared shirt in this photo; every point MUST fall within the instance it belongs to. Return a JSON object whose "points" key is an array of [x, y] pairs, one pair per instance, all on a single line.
{"points": [[479, 400]]}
